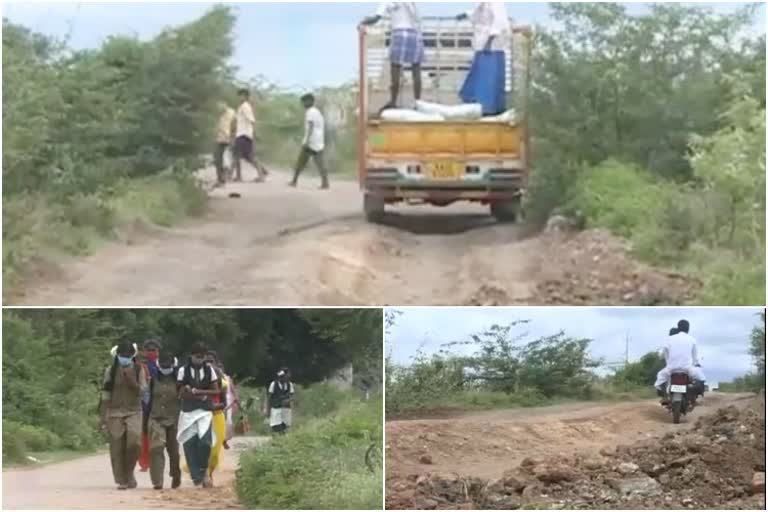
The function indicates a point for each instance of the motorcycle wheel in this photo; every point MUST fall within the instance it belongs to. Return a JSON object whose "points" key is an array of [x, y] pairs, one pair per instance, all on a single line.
{"points": [[676, 410]]}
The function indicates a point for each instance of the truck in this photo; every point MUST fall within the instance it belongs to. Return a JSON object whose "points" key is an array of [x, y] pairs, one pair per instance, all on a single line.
{"points": [[441, 163]]}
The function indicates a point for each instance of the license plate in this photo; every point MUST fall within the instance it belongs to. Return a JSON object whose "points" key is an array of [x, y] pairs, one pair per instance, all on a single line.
{"points": [[678, 389], [445, 171]]}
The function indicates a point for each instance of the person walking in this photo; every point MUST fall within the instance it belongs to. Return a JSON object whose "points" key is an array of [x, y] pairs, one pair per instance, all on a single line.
{"points": [[124, 384], [280, 403], [313, 144], [163, 423], [245, 129], [150, 354], [219, 406], [225, 136], [197, 382]]}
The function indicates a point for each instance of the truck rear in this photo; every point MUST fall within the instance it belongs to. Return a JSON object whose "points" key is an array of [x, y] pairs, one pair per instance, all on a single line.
{"points": [[440, 163]]}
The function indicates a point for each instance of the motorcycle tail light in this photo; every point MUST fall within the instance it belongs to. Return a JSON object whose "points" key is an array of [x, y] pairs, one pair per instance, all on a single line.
{"points": [[680, 379]]}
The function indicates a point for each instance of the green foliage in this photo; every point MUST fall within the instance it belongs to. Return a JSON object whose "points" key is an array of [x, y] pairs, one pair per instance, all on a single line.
{"points": [[319, 466], [504, 370], [750, 383], [757, 349], [50, 402], [642, 372], [91, 131], [653, 126]]}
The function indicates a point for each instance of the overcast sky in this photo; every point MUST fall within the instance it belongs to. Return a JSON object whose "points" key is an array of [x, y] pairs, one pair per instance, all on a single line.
{"points": [[722, 334], [294, 44]]}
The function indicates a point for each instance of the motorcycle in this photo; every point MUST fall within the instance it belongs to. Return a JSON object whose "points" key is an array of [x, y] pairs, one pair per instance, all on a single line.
{"points": [[682, 393]]}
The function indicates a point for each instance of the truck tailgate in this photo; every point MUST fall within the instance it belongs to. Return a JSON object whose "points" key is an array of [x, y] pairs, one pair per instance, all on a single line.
{"points": [[468, 139]]}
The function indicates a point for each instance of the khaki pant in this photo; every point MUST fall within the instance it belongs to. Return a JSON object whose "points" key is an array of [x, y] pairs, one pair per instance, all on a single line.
{"points": [[124, 446], [162, 438]]}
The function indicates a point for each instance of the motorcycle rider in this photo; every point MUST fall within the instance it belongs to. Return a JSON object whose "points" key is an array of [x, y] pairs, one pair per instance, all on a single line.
{"points": [[680, 354]]}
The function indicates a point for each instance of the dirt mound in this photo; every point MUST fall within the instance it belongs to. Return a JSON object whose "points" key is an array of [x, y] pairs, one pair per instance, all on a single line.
{"points": [[596, 268], [716, 465]]}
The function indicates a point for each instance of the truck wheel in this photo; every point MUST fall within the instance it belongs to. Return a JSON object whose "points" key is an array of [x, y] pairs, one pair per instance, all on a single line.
{"points": [[374, 208], [507, 211]]}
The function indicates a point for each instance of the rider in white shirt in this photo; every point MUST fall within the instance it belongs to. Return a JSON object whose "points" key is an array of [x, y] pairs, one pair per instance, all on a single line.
{"points": [[680, 354]]}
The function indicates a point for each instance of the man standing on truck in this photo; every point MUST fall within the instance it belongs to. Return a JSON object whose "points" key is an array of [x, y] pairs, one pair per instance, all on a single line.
{"points": [[486, 80], [313, 144], [406, 46]]}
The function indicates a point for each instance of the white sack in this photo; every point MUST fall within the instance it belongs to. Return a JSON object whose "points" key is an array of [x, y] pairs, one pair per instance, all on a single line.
{"points": [[466, 112]]}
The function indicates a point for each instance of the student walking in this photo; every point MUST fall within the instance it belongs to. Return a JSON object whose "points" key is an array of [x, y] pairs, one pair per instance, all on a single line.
{"points": [[280, 403], [197, 382], [163, 423], [124, 384]]}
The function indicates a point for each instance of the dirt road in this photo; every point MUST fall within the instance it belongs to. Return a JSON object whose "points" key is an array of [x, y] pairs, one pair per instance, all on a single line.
{"points": [[486, 446], [280, 246], [86, 483]]}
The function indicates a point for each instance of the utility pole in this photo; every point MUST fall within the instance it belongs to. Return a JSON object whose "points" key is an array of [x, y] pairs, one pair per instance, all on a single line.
{"points": [[626, 351]]}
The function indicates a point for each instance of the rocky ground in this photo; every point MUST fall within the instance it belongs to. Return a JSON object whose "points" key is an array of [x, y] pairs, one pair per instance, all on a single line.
{"points": [[717, 464]]}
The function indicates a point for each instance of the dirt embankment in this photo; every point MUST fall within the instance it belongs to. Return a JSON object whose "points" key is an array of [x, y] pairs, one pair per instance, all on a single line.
{"points": [[598, 458], [275, 245]]}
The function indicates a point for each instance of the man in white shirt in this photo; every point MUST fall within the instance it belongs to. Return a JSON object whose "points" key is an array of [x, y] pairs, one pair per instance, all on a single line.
{"points": [[485, 81], [491, 24], [244, 134], [313, 144], [680, 354], [406, 46]]}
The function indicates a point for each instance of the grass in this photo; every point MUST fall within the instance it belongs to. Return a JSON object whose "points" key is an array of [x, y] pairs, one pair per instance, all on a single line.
{"points": [[41, 229], [485, 400], [318, 466]]}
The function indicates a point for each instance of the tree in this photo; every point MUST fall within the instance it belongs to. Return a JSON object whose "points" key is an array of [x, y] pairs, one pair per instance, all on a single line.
{"points": [[642, 372]]}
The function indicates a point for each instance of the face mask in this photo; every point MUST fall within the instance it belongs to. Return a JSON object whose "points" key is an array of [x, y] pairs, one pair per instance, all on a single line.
{"points": [[165, 371], [124, 361], [151, 356], [197, 361]]}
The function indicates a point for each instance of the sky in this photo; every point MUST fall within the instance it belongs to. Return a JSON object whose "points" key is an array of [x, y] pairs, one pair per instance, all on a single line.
{"points": [[294, 44], [722, 334]]}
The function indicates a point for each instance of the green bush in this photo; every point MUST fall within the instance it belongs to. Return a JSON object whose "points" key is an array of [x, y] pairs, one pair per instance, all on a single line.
{"points": [[89, 134], [320, 465]]}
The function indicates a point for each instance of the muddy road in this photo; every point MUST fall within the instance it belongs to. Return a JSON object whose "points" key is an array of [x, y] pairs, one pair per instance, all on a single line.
{"points": [[276, 246], [86, 484], [426, 457]]}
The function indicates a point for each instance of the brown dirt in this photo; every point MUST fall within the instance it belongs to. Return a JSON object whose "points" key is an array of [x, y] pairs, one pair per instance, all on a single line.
{"points": [[627, 456], [277, 246], [86, 484]]}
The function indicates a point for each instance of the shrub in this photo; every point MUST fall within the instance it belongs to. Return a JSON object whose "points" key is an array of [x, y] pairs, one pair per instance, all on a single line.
{"points": [[320, 465]]}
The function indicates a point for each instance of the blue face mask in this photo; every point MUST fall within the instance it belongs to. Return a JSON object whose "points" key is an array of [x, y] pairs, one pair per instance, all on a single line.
{"points": [[124, 361]]}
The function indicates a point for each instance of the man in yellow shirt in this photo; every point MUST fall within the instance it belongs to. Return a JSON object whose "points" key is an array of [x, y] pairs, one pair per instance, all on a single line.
{"points": [[225, 132]]}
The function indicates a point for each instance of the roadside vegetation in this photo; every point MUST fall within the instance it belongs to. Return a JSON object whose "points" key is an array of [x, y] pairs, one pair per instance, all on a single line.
{"points": [[322, 463], [99, 141], [53, 362], [753, 381], [502, 367], [668, 154]]}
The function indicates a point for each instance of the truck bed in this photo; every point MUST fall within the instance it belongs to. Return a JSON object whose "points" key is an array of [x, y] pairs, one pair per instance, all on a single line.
{"points": [[443, 139]]}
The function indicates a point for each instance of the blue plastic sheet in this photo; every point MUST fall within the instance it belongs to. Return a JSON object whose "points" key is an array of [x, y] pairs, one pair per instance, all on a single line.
{"points": [[486, 81]]}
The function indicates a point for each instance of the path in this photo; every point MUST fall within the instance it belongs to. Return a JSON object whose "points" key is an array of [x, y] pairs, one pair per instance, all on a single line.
{"points": [[278, 246], [86, 483]]}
